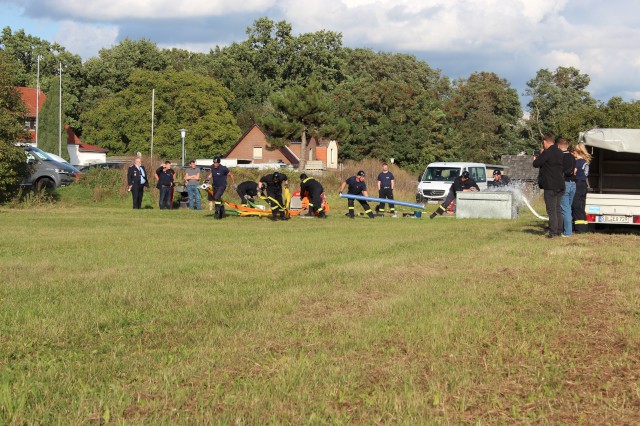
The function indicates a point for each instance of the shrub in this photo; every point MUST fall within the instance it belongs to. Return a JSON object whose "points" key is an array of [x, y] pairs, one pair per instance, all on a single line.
{"points": [[13, 170]]}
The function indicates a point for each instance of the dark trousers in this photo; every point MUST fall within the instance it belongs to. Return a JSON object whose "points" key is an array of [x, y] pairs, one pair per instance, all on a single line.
{"points": [[364, 204], [553, 203], [244, 195], [165, 197], [580, 223], [137, 191], [451, 196], [388, 194], [275, 201], [315, 202]]}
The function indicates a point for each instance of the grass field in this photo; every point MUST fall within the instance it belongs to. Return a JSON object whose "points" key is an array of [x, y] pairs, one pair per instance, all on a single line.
{"points": [[109, 315]]}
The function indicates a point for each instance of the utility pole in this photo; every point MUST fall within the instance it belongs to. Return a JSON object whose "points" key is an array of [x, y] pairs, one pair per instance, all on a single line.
{"points": [[60, 112], [37, 96]]}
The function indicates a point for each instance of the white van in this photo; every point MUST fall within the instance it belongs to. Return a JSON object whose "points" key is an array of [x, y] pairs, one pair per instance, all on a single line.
{"points": [[437, 178]]}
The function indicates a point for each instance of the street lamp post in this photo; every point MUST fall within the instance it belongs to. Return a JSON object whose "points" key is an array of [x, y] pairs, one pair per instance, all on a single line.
{"points": [[183, 132]]}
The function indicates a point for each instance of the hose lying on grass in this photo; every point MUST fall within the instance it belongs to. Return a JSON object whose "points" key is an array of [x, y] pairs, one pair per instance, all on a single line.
{"points": [[526, 202]]}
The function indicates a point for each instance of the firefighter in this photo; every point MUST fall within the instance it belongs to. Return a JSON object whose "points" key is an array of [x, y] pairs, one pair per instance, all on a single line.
{"points": [[247, 191], [386, 183], [218, 179], [313, 188], [461, 183], [357, 186], [273, 184]]}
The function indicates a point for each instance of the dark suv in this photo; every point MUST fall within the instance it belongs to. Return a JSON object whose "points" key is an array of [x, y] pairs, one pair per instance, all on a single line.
{"points": [[46, 173]]}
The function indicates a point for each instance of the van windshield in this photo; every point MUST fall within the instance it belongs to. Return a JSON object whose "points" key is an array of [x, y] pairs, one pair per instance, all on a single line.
{"points": [[39, 154], [442, 174]]}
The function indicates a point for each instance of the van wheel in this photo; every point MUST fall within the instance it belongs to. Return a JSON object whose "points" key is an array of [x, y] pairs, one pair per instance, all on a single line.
{"points": [[45, 184], [419, 198]]}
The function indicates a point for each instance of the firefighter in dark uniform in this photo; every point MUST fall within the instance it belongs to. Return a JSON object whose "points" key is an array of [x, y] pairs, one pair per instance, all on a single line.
{"points": [[386, 182], [357, 186], [247, 191], [499, 179], [218, 179], [314, 190], [461, 183], [273, 184]]}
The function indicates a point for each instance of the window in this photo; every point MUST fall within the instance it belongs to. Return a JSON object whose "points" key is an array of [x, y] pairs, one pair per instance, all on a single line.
{"points": [[257, 153], [27, 124], [478, 174]]}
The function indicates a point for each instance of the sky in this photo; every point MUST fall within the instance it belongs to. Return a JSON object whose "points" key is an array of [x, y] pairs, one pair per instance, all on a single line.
{"points": [[513, 38]]}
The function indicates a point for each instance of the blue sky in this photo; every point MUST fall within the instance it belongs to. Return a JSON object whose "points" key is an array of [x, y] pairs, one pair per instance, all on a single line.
{"points": [[513, 38]]}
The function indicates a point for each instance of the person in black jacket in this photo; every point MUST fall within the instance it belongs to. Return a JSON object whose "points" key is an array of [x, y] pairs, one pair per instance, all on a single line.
{"points": [[551, 179], [462, 183], [137, 179], [569, 174], [247, 191], [498, 179], [357, 186], [164, 177], [313, 190], [273, 183]]}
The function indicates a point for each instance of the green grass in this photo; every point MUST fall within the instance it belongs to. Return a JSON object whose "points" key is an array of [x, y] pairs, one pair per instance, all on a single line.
{"points": [[109, 315]]}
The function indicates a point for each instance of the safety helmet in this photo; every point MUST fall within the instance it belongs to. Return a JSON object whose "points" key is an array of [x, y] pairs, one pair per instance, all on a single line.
{"points": [[276, 176], [216, 159], [361, 173], [465, 174], [496, 172], [303, 176]]}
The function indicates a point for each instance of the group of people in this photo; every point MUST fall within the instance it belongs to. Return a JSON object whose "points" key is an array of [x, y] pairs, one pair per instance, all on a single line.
{"points": [[271, 183], [563, 177], [165, 177]]}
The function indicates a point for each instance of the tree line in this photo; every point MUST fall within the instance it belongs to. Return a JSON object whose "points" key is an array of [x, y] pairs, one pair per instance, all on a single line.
{"points": [[376, 104]]}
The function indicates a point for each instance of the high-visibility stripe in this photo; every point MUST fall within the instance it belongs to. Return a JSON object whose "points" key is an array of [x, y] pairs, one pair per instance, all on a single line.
{"points": [[310, 204], [320, 209], [305, 181], [581, 222], [352, 208], [368, 211], [442, 208], [218, 202], [381, 210]]}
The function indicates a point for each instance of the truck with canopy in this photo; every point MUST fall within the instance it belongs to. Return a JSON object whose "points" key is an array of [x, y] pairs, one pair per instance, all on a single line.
{"points": [[614, 176]]}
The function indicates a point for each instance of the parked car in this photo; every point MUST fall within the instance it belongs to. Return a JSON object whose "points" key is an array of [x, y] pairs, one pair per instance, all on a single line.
{"points": [[46, 173], [107, 165], [437, 178]]}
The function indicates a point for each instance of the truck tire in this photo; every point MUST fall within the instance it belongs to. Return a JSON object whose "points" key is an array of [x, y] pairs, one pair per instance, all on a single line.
{"points": [[45, 184]]}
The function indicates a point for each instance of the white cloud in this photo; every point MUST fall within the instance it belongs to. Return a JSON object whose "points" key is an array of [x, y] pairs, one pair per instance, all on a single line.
{"points": [[105, 10], [86, 39]]}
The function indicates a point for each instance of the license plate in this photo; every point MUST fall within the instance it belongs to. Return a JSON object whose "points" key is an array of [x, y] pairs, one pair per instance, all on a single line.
{"points": [[433, 202], [614, 219]]}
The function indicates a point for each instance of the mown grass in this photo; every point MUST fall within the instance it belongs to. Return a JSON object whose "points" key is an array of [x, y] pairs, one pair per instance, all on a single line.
{"points": [[109, 315]]}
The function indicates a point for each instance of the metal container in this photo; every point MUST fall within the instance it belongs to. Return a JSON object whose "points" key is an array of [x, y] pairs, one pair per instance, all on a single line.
{"points": [[486, 205]]}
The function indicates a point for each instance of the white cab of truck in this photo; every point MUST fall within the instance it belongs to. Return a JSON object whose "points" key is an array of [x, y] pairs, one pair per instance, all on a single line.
{"points": [[437, 178], [614, 176]]}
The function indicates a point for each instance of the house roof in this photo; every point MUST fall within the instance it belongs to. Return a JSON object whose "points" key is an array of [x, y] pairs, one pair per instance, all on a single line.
{"points": [[285, 149], [73, 139], [29, 96]]}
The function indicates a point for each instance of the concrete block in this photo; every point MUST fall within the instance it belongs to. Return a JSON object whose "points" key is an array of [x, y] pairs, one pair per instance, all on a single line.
{"points": [[486, 205]]}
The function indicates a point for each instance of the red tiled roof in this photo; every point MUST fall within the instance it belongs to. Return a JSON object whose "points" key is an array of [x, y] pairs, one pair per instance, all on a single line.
{"points": [[73, 139], [29, 97]]}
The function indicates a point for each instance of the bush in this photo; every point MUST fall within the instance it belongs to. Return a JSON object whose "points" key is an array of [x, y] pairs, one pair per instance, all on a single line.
{"points": [[13, 170], [104, 183]]}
